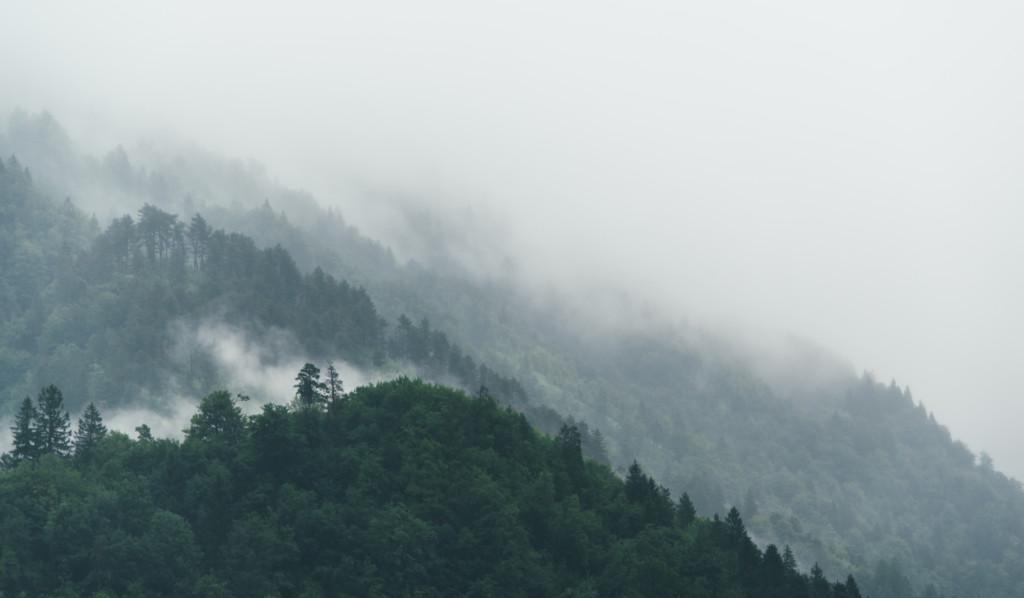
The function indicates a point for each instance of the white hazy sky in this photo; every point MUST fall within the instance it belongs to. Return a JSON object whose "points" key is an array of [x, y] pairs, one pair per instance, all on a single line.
{"points": [[849, 172]]}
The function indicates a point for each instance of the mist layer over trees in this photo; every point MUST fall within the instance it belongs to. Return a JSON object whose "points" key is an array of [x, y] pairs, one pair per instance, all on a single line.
{"points": [[854, 474]]}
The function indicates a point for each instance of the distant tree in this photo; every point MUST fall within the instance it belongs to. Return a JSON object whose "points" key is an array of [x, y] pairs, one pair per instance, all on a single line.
{"points": [[636, 483], [685, 511], [199, 241], [53, 429], [90, 430], [789, 560], [403, 342], [747, 553], [773, 568], [819, 585], [156, 228], [735, 529], [570, 448], [219, 419], [26, 439], [334, 387], [852, 591], [309, 390], [594, 447], [144, 433]]}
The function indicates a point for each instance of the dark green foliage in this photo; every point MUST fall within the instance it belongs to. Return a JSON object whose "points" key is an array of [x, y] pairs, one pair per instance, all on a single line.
{"points": [[333, 389], [852, 590], [53, 424], [109, 336], [853, 474], [144, 433], [90, 430], [219, 420], [25, 437], [310, 392], [408, 489], [685, 512]]}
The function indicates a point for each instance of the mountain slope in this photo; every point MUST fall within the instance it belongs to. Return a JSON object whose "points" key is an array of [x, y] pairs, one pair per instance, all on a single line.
{"points": [[853, 473]]}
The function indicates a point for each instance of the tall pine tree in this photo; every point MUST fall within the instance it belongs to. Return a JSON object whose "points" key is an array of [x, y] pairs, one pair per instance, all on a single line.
{"points": [[686, 512], [26, 440], [333, 384], [636, 483], [309, 390], [90, 430], [54, 424]]}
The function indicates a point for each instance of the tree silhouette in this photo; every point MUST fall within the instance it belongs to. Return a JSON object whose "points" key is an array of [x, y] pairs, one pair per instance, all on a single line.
{"points": [[53, 429], [309, 390], [90, 430], [26, 440], [333, 384]]}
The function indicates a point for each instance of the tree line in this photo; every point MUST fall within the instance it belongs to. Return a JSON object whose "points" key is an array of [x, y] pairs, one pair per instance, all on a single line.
{"points": [[399, 488]]}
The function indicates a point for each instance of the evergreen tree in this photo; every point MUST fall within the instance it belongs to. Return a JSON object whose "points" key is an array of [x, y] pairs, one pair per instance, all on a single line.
{"points": [[570, 447], [219, 419], [199, 240], [636, 483], [686, 511], [852, 591], [90, 430], [773, 568], [735, 529], [788, 559], [144, 433], [309, 390], [820, 587], [334, 387], [53, 429], [26, 440]]}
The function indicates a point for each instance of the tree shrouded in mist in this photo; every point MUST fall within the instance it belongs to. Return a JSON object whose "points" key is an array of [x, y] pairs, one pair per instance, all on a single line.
{"points": [[333, 385], [309, 390]]}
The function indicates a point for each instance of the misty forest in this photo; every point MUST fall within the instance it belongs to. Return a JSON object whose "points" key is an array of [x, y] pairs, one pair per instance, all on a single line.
{"points": [[570, 301], [545, 458]]}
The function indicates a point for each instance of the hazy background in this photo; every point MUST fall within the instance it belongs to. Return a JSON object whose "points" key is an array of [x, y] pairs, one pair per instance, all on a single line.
{"points": [[848, 173]]}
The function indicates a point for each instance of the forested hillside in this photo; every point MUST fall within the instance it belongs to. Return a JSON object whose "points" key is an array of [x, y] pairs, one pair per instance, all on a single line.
{"points": [[854, 474], [397, 489], [96, 311]]}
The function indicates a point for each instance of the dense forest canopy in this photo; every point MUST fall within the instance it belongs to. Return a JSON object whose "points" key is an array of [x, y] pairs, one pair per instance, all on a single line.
{"points": [[397, 489], [858, 476]]}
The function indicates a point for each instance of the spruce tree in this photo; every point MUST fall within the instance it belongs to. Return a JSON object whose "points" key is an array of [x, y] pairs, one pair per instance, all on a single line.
{"points": [[734, 524], [54, 423], [90, 430], [773, 568], [570, 447], [852, 591], [636, 483], [788, 559], [686, 512], [819, 585], [26, 440]]}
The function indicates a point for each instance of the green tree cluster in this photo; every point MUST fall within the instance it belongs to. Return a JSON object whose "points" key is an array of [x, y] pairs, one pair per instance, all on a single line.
{"points": [[402, 489]]}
